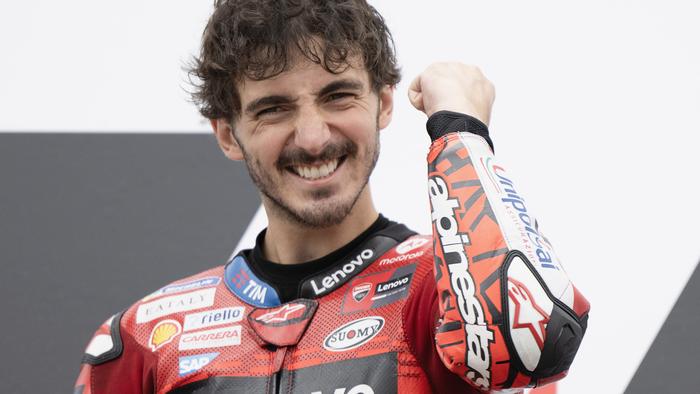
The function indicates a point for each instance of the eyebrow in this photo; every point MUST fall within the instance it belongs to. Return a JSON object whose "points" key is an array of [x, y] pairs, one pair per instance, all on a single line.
{"points": [[267, 101], [341, 84]]}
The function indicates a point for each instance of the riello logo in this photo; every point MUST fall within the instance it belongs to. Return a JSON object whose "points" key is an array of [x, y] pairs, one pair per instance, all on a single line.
{"points": [[354, 334]]}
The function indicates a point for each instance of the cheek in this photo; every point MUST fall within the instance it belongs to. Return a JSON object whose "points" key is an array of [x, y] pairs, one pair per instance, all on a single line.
{"points": [[357, 125]]}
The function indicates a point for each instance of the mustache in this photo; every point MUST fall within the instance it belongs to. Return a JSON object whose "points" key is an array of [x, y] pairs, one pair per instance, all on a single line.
{"points": [[298, 156]]}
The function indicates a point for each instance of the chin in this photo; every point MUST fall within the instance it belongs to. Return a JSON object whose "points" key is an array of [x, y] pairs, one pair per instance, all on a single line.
{"points": [[324, 212]]}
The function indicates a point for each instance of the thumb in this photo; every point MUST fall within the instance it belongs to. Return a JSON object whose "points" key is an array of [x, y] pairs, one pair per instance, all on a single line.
{"points": [[415, 96]]}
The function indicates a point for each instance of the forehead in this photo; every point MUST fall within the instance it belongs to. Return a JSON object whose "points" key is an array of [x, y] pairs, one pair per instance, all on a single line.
{"points": [[303, 77]]}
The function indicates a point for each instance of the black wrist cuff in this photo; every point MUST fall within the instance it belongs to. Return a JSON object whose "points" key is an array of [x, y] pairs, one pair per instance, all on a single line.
{"points": [[443, 122]]}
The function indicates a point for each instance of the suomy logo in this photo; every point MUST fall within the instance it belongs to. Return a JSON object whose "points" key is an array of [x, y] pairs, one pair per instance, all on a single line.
{"points": [[328, 282], [470, 309], [354, 334]]}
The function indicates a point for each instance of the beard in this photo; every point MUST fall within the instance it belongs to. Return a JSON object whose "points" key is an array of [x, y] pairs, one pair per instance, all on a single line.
{"points": [[327, 207]]}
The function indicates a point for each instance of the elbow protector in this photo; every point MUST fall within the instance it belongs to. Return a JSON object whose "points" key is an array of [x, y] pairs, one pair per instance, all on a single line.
{"points": [[509, 315]]}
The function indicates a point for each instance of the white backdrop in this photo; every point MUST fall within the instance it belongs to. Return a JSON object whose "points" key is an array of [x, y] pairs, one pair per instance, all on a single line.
{"points": [[596, 116]]}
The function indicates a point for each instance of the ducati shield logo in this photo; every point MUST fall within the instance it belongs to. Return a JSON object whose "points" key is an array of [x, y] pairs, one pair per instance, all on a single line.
{"points": [[354, 334], [360, 291]]}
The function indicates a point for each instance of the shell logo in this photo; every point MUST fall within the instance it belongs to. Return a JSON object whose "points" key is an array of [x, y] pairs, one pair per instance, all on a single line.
{"points": [[163, 333]]}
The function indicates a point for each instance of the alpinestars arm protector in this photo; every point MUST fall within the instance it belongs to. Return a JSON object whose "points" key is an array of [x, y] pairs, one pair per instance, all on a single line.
{"points": [[509, 315]]}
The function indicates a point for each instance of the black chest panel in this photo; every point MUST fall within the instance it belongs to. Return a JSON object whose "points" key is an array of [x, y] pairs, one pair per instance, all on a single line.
{"points": [[368, 375]]}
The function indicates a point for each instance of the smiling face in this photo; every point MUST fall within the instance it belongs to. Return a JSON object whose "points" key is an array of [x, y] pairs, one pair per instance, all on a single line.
{"points": [[310, 140]]}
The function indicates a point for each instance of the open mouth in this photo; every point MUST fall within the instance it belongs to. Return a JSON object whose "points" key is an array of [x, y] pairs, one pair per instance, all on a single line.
{"points": [[317, 170]]}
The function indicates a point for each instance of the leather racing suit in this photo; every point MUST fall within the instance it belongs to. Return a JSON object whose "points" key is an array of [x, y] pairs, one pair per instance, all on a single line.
{"points": [[481, 305]]}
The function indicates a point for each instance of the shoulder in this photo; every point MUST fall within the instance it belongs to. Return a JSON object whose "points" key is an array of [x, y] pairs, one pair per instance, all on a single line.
{"points": [[415, 249], [134, 325]]}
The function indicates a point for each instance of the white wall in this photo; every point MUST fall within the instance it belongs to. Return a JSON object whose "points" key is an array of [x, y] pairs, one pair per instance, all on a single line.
{"points": [[596, 115]]}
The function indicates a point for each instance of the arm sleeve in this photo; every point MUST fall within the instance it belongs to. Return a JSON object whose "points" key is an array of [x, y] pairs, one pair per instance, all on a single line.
{"points": [[509, 317], [115, 363]]}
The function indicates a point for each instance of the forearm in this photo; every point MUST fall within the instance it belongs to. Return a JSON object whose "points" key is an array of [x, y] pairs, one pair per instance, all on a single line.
{"points": [[509, 316]]}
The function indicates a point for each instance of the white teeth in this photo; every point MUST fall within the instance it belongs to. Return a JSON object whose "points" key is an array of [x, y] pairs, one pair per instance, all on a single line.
{"points": [[315, 172]]}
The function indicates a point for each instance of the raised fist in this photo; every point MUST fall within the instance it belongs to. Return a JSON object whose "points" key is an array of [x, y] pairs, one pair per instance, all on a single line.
{"points": [[453, 86]]}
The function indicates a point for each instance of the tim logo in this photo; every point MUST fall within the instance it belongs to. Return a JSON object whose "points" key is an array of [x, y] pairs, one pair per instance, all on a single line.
{"points": [[254, 290], [241, 281]]}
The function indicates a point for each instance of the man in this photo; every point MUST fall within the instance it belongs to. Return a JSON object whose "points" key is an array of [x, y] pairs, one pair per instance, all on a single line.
{"points": [[335, 298]]}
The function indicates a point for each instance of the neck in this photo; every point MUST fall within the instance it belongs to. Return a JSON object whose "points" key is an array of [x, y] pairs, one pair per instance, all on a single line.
{"points": [[291, 243]]}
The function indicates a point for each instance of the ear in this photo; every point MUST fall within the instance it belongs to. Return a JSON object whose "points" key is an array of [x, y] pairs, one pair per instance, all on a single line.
{"points": [[224, 136], [386, 105]]}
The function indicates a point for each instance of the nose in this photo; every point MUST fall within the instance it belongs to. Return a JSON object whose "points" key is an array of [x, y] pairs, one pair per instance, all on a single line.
{"points": [[311, 131]]}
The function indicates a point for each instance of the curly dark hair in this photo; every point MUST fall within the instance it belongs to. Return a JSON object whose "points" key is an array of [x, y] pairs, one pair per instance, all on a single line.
{"points": [[258, 39]]}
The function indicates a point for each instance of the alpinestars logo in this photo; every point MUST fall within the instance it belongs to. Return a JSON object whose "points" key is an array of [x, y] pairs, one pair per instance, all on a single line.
{"points": [[528, 314], [470, 309], [286, 312]]}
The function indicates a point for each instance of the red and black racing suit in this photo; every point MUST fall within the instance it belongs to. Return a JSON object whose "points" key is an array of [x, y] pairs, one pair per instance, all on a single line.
{"points": [[481, 305]]}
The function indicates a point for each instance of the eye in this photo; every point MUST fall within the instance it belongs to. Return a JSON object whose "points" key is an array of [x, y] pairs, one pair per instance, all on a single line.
{"points": [[269, 110], [339, 96]]}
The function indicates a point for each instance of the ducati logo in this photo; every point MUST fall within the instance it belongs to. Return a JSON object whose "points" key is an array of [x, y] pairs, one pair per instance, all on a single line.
{"points": [[360, 291]]}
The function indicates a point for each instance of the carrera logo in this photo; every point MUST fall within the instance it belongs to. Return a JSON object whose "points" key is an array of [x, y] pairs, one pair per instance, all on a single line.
{"points": [[218, 337], [353, 334], [360, 291], [163, 333], [328, 282], [411, 244]]}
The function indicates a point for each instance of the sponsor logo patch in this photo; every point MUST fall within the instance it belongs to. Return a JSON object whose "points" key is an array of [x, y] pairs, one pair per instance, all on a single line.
{"points": [[283, 314], [377, 290], [218, 337], [535, 245], [190, 364], [333, 279], [360, 291], [251, 289], [295, 316], [527, 314], [411, 244], [173, 304], [452, 247], [402, 257], [185, 286], [354, 334], [215, 317], [163, 333]]}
